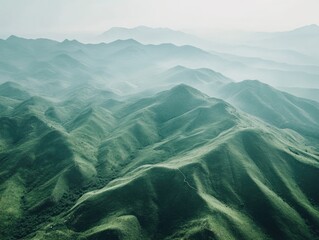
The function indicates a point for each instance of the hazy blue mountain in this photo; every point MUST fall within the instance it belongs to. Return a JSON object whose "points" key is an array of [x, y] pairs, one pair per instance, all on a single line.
{"points": [[180, 74], [290, 56], [303, 40], [277, 55], [148, 35], [203, 79], [289, 46], [70, 63], [256, 62]]}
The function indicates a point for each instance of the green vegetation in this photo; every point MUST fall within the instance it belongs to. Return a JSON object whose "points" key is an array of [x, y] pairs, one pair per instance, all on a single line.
{"points": [[79, 161], [273, 106]]}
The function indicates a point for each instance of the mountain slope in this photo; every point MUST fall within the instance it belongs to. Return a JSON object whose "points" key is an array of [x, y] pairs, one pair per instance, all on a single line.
{"points": [[203, 79], [176, 165], [13, 90], [46, 157], [273, 106], [196, 195], [309, 93], [205, 179]]}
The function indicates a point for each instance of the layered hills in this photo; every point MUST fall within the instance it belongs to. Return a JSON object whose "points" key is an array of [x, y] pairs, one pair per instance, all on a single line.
{"points": [[41, 63], [148, 35]]}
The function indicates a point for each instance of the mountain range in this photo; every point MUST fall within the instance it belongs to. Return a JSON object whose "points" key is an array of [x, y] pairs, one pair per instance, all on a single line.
{"points": [[179, 164], [148, 35], [124, 140], [78, 63], [302, 40]]}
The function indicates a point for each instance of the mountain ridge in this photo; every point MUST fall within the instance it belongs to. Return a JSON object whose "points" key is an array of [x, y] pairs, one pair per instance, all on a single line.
{"points": [[131, 140], [273, 106]]}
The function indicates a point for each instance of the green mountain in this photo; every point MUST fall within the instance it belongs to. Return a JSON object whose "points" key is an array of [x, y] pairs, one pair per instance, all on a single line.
{"points": [[273, 106], [210, 172], [106, 141], [177, 165]]}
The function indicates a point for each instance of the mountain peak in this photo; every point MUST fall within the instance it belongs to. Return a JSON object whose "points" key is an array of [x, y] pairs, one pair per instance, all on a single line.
{"points": [[178, 68], [149, 35], [183, 87], [129, 41], [186, 90], [14, 38], [68, 42]]}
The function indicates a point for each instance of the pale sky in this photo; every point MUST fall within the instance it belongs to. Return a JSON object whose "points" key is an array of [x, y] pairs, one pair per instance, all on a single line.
{"points": [[43, 18]]}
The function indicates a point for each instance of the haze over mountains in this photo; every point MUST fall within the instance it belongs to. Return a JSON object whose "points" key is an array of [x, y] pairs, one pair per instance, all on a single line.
{"points": [[148, 35], [164, 56], [279, 58], [303, 40], [148, 137]]}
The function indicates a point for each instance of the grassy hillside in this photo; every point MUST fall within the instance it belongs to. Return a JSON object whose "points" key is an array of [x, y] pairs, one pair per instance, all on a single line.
{"points": [[273, 106], [47, 156], [102, 141], [177, 165]]}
